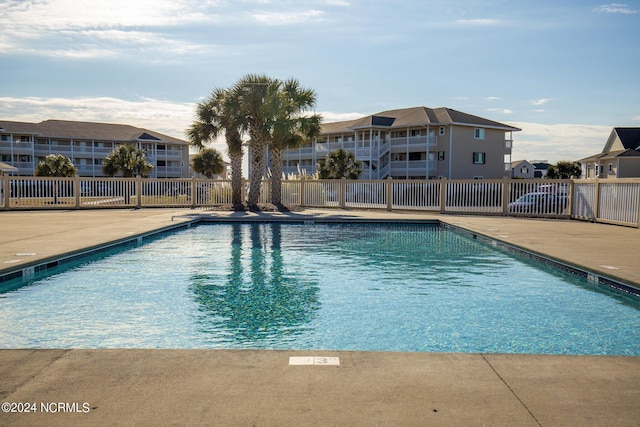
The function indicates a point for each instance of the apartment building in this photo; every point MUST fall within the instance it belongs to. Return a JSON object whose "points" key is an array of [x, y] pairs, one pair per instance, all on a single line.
{"points": [[23, 145], [414, 143]]}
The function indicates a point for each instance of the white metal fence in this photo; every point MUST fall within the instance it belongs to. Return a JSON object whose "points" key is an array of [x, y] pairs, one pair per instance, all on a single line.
{"points": [[610, 201]]}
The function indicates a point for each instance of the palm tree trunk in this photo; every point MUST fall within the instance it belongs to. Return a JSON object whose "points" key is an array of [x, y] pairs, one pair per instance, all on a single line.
{"points": [[257, 151], [236, 178], [276, 175]]}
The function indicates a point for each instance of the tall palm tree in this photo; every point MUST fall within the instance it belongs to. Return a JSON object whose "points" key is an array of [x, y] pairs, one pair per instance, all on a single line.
{"points": [[128, 160], [208, 162], [339, 164], [217, 115], [291, 128], [256, 98]]}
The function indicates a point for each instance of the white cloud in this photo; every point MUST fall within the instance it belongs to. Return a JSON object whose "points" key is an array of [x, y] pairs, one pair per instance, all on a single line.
{"points": [[636, 118], [500, 110], [493, 98], [328, 116], [540, 101], [170, 118], [77, 14], [479, 22], [97, 29], [622, 8], [558, 142], [337, 3], [286, 18]]}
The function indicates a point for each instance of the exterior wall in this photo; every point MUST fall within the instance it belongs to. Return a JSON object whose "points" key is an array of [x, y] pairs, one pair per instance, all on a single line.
{"points": [[420, 152], [621, 167], [465, 145], [26, 151], [629, 167]]}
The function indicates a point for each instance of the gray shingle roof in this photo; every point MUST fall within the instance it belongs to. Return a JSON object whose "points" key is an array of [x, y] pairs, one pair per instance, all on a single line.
{"points": [[630, 137], [87, 130], [415, 116]]}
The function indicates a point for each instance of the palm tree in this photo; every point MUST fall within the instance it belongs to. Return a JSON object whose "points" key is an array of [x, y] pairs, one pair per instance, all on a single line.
{"points": [[128, 160], [564, 170], [208, 162], [291, 128], [339, 164], [256, 98], [56, 165], [220, 114]]}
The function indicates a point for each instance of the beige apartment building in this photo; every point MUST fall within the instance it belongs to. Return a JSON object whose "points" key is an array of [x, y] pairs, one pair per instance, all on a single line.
{"points": [[414, 143], [23, 145]]}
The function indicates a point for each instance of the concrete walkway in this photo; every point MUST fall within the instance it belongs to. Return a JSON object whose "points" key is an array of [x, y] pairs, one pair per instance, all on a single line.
{"points": [[261, 388]]}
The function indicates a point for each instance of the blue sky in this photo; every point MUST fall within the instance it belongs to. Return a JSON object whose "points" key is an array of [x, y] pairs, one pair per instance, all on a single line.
{"points": [[565, 72]]}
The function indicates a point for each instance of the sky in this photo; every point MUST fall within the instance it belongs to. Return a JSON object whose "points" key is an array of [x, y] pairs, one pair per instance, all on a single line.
{"points": [[565, 72]]}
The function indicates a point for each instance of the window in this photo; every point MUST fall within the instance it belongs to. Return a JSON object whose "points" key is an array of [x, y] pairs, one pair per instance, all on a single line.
{"points": [[162, 163], [478, 158], [440, 155], [610, 167], [416, 156], [415, 132], [442, 130], [478, 133], [524, 170]]}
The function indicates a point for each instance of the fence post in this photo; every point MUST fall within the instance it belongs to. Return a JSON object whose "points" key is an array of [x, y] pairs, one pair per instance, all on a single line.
{"points": [[596, 201], [389, 193], [302, 191], [343, 192], [638, 216], [194, 193], [138, 192], [506, 193], [76, 190], [443, 194], [5, 190], [569, 194]]}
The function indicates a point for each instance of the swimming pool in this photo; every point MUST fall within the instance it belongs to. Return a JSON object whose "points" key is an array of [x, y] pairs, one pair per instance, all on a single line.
{"points": [[317, 286]]}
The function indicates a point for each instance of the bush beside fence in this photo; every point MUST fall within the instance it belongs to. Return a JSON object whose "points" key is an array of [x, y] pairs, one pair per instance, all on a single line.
{"points": [[609, 201]]}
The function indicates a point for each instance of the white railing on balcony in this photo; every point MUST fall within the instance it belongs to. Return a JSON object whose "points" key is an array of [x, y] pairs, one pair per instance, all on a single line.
{"points": [[610, 201], [420, 141]]}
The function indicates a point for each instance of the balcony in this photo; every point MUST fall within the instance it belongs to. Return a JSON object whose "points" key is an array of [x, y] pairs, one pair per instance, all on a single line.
{"points": [[414, 141], [413, 166]]}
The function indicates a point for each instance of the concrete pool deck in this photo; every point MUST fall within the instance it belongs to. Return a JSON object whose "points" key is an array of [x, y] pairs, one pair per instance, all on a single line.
{"points": [[247, 387]]}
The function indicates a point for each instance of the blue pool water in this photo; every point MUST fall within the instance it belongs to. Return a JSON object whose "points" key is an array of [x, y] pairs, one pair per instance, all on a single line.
{"points": [[322, 286]]}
